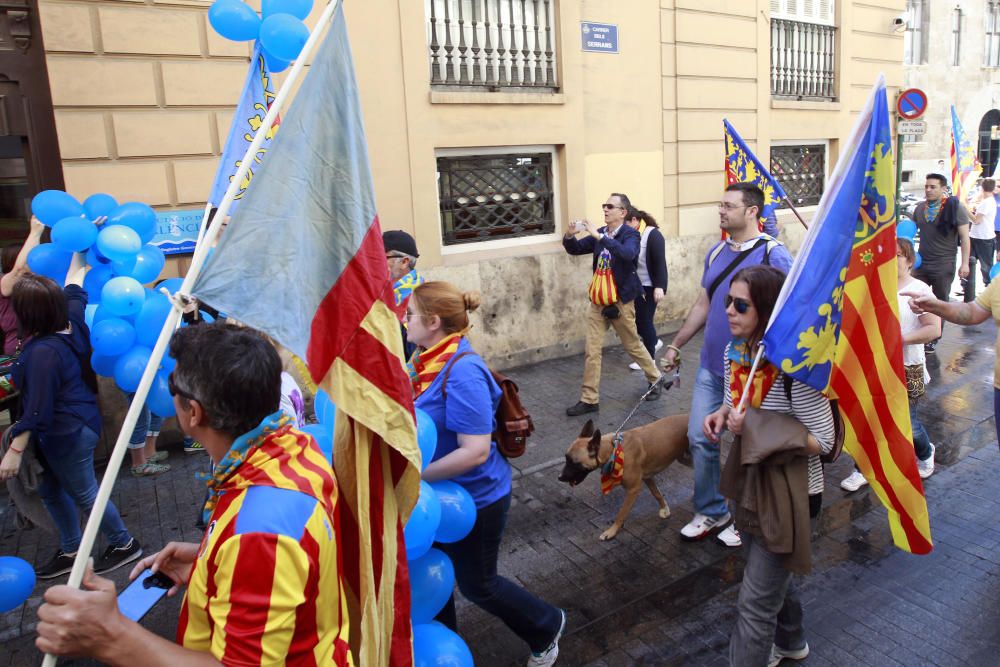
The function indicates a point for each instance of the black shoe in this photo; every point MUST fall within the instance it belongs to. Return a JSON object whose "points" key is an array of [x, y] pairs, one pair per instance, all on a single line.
{"points": [[582, 408], [654, 389], [931, 347], [115, 557], [60, 564]]}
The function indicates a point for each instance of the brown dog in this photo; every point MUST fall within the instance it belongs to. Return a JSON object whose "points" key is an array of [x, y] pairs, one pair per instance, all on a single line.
{"points": [[647, 450]]}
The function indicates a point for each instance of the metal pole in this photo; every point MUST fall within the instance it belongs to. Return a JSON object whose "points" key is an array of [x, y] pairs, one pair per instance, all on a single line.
{"points": [[899, 167], [200, 254]]}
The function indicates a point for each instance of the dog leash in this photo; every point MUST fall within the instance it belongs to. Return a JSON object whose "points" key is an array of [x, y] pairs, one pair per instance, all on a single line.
{"points": [[676, 379]]}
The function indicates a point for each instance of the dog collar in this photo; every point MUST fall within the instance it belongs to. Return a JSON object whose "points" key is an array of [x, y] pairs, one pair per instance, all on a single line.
{"points": [[616, 447]]}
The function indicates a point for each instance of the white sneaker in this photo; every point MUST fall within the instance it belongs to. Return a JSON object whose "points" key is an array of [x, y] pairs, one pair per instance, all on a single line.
{"points": [[778, 654], [926, 468], [854, 482], [634, 366], [549, 655], [659, 344], [701, 525], [730, 537]]}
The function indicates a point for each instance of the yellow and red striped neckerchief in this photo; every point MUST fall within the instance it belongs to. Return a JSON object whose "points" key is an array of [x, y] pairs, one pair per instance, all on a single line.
{"points": [[740, 361], [424, 365]]}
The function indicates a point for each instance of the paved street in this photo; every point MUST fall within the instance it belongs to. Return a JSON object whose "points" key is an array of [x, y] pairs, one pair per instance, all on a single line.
{"points": [[647, 598]]}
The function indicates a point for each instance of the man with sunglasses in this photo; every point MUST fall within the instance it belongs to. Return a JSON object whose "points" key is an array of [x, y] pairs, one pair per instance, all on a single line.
{"points": [[401, 256], [739, 211], [613, 291], [264, 586]]}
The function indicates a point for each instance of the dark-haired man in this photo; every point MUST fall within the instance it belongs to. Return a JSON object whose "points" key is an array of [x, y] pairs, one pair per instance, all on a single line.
{"points": [[944, 224], [264, 585], [614, 287], [739, 212]]}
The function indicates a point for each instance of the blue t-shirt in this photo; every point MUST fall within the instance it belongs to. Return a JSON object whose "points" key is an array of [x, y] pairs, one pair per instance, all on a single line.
{"points": [[717, 334], [472, 401]]}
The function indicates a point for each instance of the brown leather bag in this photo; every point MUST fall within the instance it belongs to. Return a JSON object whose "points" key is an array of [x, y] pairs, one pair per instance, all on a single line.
{"points": [[513, 423]]}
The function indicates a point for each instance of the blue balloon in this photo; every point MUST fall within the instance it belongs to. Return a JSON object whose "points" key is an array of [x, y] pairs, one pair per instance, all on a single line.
{"points": [[136, 216], [17, 581], [103, 313], [323, 435], [432, 578], [94, 282], [124, 267], [427, 437], [995, 271], [906, 229], [148, 264], [418, 533], [151, 318], [436, 646], [168, 363], [103, 365], [88, 314], [95, 258], [51, 206], [118, 243], [234, 20], [130, 366], [918, 260], [112, 337], [98, 205], [48, 260], [283, 36], [159, 401], [458, 511], [298, 8], [123, 296], [274, 64], [74, 234], [324, 408]]}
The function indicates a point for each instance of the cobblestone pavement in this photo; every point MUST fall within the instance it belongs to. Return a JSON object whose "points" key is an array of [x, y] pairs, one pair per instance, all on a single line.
{"points": [[647, 598]]}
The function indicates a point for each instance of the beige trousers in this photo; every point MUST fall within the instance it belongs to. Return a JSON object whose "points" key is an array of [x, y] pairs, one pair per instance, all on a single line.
{"points": [[624, 326]]}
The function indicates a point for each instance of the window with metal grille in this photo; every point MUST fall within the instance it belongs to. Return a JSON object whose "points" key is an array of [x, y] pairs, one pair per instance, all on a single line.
{"points": [[803, 49], [991, 58], [801, 170], [915, 36], [491, 197]]}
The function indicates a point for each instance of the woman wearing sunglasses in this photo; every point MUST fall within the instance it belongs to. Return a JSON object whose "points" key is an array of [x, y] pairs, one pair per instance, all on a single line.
{"points": [[779, 460]]}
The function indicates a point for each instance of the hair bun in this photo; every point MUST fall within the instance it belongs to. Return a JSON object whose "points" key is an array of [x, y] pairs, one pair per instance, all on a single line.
{"points": [[471, 300]]}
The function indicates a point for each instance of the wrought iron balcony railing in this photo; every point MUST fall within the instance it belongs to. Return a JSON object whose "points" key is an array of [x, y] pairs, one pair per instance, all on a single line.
{"points": [[492, 44], [802, 60]]}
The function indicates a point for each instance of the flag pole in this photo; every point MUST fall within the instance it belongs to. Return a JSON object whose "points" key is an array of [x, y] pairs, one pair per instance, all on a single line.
{"points": [[794, 210], [203, 227], [753, 369], [200, 254]]}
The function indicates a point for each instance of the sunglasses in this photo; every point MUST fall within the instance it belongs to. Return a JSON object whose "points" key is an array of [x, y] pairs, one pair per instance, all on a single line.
{"points": [[608, 207], [177, 391], [740, 305]]}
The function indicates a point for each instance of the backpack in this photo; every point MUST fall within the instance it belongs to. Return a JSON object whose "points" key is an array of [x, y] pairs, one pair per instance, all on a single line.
{"points": [[771, 243], [838, 425], [513, 423]]}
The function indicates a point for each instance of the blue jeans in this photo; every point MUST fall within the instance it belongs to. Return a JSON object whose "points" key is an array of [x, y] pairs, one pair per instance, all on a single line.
{"points": [[706, 398], [921, 441], [475, 561], [69, 484], [145, 424], [769, 609]]}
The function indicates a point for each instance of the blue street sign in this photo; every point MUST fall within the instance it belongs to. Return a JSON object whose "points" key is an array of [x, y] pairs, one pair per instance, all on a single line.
{"points": [[911, 104], [599, 37], [177, 231]]}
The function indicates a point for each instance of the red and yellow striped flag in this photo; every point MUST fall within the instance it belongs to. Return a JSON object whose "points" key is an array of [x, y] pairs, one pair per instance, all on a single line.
{"points": [[836, 324]]}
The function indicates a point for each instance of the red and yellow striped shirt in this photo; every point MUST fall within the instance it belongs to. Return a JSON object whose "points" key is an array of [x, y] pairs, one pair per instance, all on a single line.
{"points": [[266, 588]]}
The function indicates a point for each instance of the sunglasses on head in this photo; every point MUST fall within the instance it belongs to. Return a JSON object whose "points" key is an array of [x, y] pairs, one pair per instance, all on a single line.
{"points": [[177, 391], [740, 305]]}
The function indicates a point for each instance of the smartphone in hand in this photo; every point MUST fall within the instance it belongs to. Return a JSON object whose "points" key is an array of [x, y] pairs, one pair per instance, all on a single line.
{"points": [[142, 594]]}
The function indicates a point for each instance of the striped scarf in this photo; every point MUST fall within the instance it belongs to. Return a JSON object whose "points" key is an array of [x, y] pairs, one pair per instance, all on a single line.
{"points": [[740, 361], [611, 471], [425, 365]]}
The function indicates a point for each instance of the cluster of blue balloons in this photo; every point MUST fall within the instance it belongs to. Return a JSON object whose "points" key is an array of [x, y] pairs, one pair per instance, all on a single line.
{"points": [[322, 432], [280, 29], [124, 317], [444, 513], [17, 581]]}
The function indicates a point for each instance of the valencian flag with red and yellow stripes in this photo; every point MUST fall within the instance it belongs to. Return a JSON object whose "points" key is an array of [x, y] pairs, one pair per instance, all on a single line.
{"points": [[303, 261], [965, 166], [836, 323]]}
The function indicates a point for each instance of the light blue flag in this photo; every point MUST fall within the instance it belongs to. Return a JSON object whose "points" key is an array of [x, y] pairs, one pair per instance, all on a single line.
{"points": [[258, 94]]}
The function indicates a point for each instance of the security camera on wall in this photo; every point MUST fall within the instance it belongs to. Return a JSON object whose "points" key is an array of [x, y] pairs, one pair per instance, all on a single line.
{"points": [[899, 21]]}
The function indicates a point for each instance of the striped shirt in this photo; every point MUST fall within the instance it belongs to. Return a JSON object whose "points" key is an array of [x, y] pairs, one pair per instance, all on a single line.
{"points": [[809, 407], [266, 588]]}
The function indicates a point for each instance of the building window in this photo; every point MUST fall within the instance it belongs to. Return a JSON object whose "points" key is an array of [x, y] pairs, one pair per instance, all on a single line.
{"points": [[956, 36], [989, 141], [915, 36], [492, 197], [801, 170], [992, 55], [492, 45], [803, 40]]}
